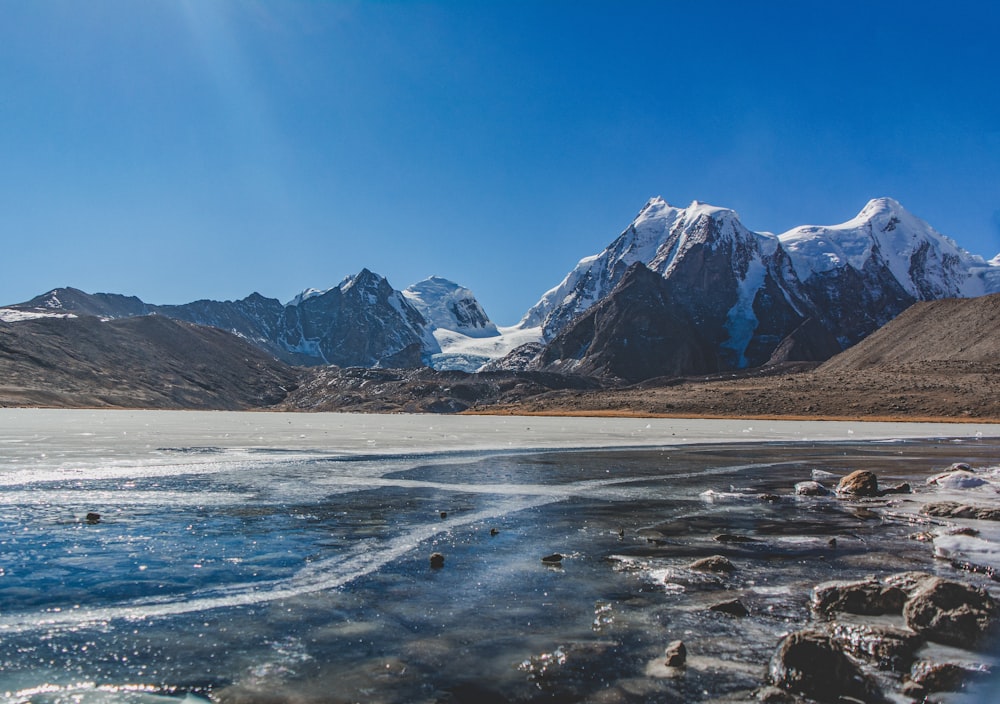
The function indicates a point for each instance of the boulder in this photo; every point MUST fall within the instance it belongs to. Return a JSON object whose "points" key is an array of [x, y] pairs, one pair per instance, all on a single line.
{"points": [[809, 663], [887, 647], [953, 509], [713, 563], [944, 676], [437, 560], [859, 483], [553, 559], [811, 488], [950, 612], [866, 597]]}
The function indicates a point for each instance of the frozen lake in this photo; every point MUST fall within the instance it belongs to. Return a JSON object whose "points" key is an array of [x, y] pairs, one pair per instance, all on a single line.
{"points": [[250, 557]]}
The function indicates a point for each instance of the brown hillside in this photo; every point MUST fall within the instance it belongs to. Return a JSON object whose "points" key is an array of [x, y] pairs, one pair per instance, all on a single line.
{"points": [[957, 330], [145, 362]]}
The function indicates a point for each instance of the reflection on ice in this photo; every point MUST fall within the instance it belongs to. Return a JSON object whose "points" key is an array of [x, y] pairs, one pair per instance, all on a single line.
{"points": [[240, 556]]}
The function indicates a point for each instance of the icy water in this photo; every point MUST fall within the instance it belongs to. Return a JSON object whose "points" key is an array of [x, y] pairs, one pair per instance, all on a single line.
{"points": [[272, 558]]}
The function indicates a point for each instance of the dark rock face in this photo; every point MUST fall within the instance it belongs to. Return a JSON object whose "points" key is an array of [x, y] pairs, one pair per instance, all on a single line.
{"points": [[364, 322], [809, 663], [950, 612], [855, 303], [634, 333]]}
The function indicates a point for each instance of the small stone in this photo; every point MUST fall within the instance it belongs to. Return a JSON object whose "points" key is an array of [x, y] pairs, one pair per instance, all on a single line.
{"points": [[676, 654], [437, 560], [903, 488], [494, 532], [768, 498], [961, 467], [553, 559], [809, 663], [733, 607], [730, 538], [93, 518], [812, 488], [859, 483], [444, 514], [832, 542], [713, 563]]}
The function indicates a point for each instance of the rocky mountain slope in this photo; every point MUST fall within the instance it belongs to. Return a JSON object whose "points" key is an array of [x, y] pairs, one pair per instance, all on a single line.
{"points": [[757, 298], [939, 359], [139, 362], [731, 299]]}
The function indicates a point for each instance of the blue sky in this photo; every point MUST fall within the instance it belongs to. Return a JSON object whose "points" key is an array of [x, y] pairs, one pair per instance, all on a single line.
{"points": [[207, 149]]}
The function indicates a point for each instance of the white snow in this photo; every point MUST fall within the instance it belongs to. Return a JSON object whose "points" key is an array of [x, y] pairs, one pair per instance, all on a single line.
{"points": [[439, 299], [467, 353], [887, 231], [14, 315]]}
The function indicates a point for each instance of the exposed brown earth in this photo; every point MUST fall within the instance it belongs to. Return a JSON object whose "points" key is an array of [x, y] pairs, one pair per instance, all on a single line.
{"points": [[942, 390], [936, 361], [144, 362]]}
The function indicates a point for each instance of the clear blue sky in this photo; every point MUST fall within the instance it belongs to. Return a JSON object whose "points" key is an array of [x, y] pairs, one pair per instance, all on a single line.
{"points": [[207, 149]]}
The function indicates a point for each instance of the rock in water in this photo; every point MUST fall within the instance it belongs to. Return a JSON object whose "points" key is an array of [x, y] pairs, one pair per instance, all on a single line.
{"points": [[437, 560], [714, 563], [859, 483], [809, 663], [811, 488], [953, 509], [676, 654], [950, 612], [93, 518], [553, 559], [888, 647], [733, 607], [867, 597]]}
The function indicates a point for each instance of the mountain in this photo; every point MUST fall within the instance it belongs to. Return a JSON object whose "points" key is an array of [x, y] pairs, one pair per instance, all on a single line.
{"points": [[746, 298], [138, 362], [448, 306], [756, 298], [636, 332], [466, 338], [361, 322], [864, 272]]}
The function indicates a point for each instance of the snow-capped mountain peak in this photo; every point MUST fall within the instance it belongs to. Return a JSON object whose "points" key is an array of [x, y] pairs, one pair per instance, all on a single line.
{"points": [[447, 305], [925, 263]]}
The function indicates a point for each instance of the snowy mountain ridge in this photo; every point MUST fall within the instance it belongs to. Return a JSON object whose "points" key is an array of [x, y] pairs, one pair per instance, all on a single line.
{"points": [[747, 296]]}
